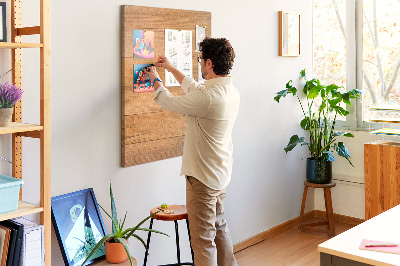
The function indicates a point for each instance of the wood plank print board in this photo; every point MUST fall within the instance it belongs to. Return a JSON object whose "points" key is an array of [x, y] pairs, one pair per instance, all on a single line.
{"points": [[150, 133]]}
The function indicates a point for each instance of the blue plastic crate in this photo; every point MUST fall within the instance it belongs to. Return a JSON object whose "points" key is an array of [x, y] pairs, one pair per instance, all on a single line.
{"points": [[9, 193]]}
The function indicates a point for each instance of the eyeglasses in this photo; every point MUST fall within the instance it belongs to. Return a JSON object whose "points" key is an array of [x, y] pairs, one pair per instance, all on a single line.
{"points": [[199, 59]]}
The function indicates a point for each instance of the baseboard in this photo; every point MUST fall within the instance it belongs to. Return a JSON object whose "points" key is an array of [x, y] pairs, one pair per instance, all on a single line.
{"points": [[289, 224], [340, 218], [271, 232]]}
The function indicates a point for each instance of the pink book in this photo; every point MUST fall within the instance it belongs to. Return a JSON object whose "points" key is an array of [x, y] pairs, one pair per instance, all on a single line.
{"points": [[386, 249]]}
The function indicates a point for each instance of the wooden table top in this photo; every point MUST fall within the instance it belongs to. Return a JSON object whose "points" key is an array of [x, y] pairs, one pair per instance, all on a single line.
{"points": [[180, 213], [384, 227]]}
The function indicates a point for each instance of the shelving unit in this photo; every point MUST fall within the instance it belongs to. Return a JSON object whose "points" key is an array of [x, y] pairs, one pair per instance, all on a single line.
{"points": [[19, 129], [381, 160], [385, 131]]}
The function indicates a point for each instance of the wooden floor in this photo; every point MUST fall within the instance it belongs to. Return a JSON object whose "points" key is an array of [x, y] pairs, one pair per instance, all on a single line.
{"points": [[290, 247]]}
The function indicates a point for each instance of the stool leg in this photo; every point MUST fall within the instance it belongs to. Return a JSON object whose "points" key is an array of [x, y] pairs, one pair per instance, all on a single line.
{"points": [[303, 204], [178, 252], [329, 211], [190, 240], [148, 242]]}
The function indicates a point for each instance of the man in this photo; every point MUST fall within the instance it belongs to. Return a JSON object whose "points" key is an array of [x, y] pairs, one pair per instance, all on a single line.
{"points": [[207, 155]]}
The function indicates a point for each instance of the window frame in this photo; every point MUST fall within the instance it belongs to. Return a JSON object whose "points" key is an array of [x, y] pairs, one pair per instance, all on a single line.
{"points": [[354, 70]]}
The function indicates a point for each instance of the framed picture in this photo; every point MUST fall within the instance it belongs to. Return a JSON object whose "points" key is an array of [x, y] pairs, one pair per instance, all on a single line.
{"points": [[78, 226], [289, 34], [3, 25]]}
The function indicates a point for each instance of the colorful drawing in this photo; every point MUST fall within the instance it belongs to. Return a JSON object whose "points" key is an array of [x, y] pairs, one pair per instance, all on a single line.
{"points": [[143, 44], [141, 81]]}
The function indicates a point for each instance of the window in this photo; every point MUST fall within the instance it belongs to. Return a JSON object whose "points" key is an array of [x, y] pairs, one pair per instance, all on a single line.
{"points": [[363, 53]]}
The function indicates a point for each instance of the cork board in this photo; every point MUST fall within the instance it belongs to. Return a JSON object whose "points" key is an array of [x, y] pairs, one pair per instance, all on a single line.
{"points": [[150, 133]]}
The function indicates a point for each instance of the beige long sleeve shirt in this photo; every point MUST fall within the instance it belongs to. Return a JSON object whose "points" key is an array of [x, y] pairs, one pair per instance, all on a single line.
{"points": [[212, 109]]}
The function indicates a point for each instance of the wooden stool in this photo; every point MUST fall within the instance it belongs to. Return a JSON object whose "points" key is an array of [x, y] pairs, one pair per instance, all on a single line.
{"points": [[180, 213], [328, 207]]}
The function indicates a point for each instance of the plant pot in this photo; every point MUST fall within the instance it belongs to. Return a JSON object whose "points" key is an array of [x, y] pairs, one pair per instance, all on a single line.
{"points": [[319, 172], [5, 116], [115, 252]]}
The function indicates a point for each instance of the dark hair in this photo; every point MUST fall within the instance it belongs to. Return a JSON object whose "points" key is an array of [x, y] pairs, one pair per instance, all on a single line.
{"points": [[220, 52]]}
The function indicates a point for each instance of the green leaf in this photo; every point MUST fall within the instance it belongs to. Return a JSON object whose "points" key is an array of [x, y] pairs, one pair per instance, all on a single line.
{"points": [[102, 240], [305, 123], [115, 223], [331, 87], [122, 224], [113, 211], [133, 229], [338, 133], [343, 151], [341, 111], [346, 98], [313, 92], [303, 73], [349, 135], [322, 106], [280, 94], [289, 84], [126, 247], [333, 102], [152, 230], [327, 156], [294, 140], [140, 239]]}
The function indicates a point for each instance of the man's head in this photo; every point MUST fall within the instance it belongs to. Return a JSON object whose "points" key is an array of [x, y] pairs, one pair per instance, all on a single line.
{"points": [[218, 54]]}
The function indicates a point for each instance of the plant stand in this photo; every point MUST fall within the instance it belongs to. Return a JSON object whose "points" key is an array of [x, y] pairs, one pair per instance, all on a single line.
{"points": [[311, 227]]}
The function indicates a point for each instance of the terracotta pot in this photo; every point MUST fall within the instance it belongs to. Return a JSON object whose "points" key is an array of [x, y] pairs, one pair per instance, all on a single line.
{"points": [[115, 252], [5, 116]]}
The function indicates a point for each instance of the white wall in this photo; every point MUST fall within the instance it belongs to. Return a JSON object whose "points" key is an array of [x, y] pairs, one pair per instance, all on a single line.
{"points": [[267, 184]]}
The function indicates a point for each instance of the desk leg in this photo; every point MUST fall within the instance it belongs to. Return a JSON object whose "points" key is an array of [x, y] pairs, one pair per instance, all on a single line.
{"points": [[325, 259]]}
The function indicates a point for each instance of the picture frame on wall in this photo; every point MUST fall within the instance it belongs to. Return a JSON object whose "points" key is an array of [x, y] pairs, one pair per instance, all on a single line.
{"points": [[3, 22], [289, 34], [78, 226]]}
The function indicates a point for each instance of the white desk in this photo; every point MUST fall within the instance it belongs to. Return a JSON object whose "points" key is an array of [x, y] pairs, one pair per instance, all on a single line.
{"points": [[344, 248]]}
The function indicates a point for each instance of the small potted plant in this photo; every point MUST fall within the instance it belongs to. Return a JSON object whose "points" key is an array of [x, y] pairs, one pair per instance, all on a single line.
{"points": [[324, 105], [9, 95], [116, 243]]}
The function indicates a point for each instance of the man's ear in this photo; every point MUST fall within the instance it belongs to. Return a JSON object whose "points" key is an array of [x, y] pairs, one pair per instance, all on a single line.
{"points": [[209, 63]]}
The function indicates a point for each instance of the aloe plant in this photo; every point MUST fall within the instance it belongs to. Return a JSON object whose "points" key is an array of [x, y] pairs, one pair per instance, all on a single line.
{"points": [[118, 233], [320, 124]]}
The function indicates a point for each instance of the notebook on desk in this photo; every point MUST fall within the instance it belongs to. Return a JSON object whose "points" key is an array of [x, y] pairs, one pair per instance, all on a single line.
{"points": [[386, 249]]}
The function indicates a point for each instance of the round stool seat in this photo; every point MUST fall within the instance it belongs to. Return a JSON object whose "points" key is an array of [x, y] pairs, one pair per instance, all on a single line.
{"points": [[180, 213], [308, 184]]}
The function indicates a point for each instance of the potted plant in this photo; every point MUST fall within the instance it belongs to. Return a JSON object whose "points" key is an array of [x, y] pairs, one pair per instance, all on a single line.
{"points": [[116, 243], [324, 105], [9, 95]]}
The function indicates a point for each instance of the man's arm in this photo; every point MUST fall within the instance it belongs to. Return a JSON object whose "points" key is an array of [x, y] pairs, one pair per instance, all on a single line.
{"points": [[165, 63]]}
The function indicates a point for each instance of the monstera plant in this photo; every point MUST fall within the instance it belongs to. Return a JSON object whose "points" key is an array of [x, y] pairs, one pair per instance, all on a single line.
{"points": [[323, 105]]}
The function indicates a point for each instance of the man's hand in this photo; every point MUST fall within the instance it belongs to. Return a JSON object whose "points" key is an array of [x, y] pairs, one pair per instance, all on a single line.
{"points": [[165, 63], [152, 72]]}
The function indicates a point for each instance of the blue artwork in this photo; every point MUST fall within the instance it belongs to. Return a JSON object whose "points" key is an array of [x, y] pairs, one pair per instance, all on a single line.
{"points": [[78, 226]]}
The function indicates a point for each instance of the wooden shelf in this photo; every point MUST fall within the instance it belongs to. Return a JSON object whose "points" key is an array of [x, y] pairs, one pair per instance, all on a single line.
{"points": [[16, 127], [24, 208], [10, 45]]}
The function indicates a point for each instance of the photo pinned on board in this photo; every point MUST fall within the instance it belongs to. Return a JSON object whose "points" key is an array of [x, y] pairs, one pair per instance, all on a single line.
{"points": [[141, 80], [143, 44]]}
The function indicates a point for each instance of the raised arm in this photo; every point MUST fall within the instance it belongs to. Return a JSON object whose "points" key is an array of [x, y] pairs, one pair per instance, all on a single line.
{"points": [[165, 63]]}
